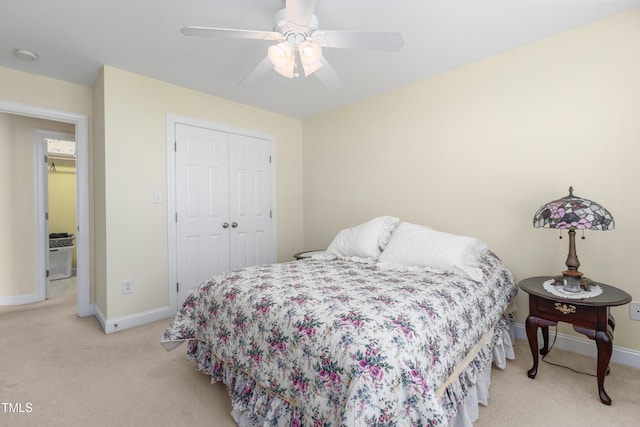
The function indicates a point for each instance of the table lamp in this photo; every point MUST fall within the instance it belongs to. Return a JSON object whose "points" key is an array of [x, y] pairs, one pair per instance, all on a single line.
{"points": [[573, 213]]}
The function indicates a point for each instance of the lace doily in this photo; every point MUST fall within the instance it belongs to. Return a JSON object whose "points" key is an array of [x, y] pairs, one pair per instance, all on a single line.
{"points": [[557, 290]]}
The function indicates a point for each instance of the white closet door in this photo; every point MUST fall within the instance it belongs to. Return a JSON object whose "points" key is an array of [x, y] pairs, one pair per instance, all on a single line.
{"points": [[250, 201], [202, 199]]}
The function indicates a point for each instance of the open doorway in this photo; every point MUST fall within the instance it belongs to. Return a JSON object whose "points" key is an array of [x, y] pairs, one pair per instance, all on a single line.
{"points": [[80, 125], [59, 191]]}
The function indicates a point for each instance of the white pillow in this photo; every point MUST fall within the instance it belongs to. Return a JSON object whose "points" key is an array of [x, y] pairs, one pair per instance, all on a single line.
{"points": [[366, 240], [416, 245]]}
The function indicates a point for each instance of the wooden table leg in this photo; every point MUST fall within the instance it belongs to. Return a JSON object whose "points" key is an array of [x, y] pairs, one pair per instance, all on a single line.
{"points": [[604, 342], [532, 336], [545, 340]]}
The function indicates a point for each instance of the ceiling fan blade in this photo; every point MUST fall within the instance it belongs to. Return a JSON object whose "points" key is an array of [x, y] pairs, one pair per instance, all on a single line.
{"points": [[328, 76], [257, 73], [231, 33], [300, 11], [360, 40]]}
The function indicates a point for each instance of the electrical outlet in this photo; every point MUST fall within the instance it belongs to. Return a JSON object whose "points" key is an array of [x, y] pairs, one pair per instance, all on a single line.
{"points": [[127, 286], [634, 310]]}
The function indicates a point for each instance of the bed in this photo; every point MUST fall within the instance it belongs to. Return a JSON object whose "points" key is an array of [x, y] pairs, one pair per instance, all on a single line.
{"points": [[396, 324]]}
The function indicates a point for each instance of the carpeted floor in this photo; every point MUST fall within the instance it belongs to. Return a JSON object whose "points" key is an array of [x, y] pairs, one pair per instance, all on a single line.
{"points": [[72, 374], [60, 370], [559, 396]]}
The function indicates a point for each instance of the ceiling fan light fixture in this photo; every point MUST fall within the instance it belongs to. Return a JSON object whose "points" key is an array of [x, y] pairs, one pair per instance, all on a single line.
{"points": [[310, 70], [310, 51], [298, 43], [310, 56], [283, 59], [281, 54], [288, 70]]}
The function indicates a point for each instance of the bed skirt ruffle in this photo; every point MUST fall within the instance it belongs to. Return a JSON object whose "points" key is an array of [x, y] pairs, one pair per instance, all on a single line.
{"points": [[254, 405], [478, 381]]}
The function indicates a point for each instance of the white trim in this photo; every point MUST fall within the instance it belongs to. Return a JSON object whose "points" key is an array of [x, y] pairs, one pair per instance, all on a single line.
{"points": [[81, 122], [85, 308], [172, 120], [171, 212], [584, 346], [100, 318], [132, 320], [19, 299], [41, 204], [41, 192]]}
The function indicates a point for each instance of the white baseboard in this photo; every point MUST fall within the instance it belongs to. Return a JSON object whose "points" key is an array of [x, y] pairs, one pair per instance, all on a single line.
{"points": [[99, 317], [19, 300], [584, 346], [137, 319]]}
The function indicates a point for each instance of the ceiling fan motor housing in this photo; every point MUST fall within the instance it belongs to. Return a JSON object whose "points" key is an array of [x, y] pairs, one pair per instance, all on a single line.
{"points": [[293, 32]]}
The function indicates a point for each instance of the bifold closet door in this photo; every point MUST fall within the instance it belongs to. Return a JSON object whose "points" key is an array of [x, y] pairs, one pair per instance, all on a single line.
{"points": [[249, 201], [202, 199], [223, 204]]}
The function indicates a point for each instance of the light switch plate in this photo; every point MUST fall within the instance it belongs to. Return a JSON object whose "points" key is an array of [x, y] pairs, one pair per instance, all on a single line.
{"points": [[157, 197], [634, 310]]}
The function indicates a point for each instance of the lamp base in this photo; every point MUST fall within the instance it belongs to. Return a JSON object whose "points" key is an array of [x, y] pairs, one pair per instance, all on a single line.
{"points": [[571, 278]]}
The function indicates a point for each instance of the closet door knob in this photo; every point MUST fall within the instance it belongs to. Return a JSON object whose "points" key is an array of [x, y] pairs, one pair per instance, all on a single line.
{"points": [[234, 224], [225, 225]]}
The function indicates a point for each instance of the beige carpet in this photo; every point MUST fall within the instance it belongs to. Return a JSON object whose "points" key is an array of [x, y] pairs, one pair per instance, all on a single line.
{"points": [[64, 371]]}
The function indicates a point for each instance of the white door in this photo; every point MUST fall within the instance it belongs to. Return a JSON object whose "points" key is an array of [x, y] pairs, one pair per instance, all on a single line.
{"points": [[202, 199], [223, 204], [249, 199]]}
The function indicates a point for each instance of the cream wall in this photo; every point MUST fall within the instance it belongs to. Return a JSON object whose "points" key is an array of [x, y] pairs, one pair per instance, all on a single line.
{"points": [[17, 192], [133, 155], [29, 89], [477, 150]]}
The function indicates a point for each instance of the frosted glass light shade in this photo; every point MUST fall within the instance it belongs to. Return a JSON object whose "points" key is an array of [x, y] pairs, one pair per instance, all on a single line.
{"points": [[310, 56], [281, 56]]}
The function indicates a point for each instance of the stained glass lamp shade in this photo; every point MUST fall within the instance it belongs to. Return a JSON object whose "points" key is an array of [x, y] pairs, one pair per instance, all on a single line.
{"points": [[573, 213]]}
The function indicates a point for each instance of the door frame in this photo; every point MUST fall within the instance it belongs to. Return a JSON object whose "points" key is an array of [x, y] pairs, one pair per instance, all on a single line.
{"points": [[41, 168], [172, 120], [81, 123]]}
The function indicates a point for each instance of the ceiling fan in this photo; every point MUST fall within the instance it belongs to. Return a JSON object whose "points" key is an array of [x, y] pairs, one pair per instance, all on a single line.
{"points": [[298, 43]]}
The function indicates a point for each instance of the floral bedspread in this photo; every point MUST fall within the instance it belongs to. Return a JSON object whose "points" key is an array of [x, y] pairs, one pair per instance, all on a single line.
{"points": [[333, 342]]}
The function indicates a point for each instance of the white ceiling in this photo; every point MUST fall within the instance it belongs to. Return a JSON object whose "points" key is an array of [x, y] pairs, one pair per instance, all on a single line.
{"points": [[74, 38]]}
